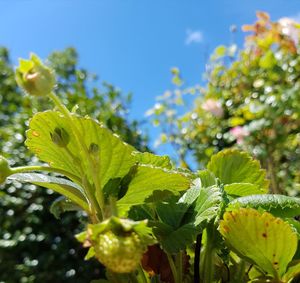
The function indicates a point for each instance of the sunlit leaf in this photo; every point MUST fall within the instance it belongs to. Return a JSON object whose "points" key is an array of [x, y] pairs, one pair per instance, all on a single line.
{"points": [[278, 205], [207, 204], [260, 238], [207, 178], [51, 138], [233, 166], [148, 158], [149, 179], [243, 189]]}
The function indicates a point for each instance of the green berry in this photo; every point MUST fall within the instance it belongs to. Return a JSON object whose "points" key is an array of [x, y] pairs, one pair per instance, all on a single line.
{"points": [[5, 170], [119, 253], [34, 77]]}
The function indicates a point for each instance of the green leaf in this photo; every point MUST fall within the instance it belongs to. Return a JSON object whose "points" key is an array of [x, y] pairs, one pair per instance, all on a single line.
{"points": [[243, 189], [268, 61], [180, 222], [233, 166], [207, 204], [148, 158], [263, 239], [174, 240], [91, 253], [50, 137], [149, 179], [62, 186], [278, 205], [61, 205], [293, 271], [207, 178]]}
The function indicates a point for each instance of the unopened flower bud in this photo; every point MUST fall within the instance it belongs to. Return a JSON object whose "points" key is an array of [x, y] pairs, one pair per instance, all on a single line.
{"points": [[34, 77]]}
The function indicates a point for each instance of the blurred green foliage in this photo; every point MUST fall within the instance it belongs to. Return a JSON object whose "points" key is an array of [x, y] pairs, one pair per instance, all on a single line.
{"points": [[34, 246], [251, 101]]}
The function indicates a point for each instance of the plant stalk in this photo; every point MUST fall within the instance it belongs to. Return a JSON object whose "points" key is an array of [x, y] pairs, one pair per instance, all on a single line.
{"points": [[179, 266], [207, 271], [197, 259], [173, 268]]}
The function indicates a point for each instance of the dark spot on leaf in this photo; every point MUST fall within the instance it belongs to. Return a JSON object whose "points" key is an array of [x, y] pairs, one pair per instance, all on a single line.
{"points": [[60, 137], [264, 235], [94, 148]]}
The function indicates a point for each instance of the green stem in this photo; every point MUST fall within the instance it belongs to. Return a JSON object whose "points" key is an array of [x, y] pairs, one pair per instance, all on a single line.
{"points": [[100, 198], [173, 268], [240, 272], [133, 278], [209, 250], [142, 273], [23, 169], [179, 265]]}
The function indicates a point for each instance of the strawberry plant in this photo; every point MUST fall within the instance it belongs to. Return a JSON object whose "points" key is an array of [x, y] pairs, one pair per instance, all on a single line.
{"points": [[152, 222]]}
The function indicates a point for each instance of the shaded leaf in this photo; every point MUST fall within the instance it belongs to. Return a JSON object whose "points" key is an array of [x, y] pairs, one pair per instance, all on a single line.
{"points": [[174, 240], [61, 205], [181, 221], [293, 271], [62, 186]]}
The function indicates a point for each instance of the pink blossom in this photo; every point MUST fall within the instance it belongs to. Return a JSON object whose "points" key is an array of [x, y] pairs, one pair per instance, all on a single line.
{"points": [[214, 107], [289, 28], [239, 133]]}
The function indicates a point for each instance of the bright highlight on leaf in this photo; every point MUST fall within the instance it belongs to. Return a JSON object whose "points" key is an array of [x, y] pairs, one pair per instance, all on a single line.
{"points": [[263, 239]]}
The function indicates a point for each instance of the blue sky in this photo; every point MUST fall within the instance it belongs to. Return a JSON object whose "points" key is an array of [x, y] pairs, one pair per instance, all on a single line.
{"points": [[132, 43]]}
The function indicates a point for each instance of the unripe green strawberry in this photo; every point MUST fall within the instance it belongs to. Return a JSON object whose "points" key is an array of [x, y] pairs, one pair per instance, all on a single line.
{"points": [[119, 253]]}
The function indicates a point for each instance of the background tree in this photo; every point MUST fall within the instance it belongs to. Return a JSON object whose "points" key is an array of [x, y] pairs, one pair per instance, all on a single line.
{"points": [[251, 101], [34, 245]]}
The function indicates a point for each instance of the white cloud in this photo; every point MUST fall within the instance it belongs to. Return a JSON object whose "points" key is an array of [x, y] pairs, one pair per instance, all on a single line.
{"points": [[193, 36]]}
